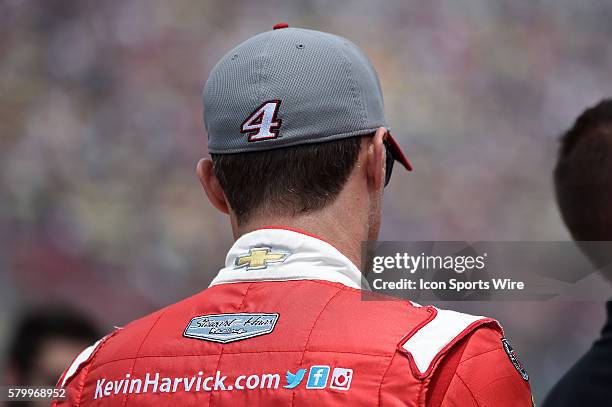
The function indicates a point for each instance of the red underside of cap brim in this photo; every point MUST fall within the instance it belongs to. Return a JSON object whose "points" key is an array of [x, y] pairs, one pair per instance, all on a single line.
{"points": [[398, 154]]}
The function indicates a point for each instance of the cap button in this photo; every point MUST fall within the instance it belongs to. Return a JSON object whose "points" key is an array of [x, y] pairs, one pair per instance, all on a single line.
{"points": [[278, 26]]}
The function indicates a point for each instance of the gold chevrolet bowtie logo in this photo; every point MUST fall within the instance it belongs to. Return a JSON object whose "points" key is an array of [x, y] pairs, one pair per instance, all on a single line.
{"points": [[259, 257]]}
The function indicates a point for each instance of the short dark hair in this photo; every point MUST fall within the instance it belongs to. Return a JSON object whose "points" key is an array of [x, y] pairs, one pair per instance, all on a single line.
{"points": [[289, 181], [37, 326], [583, 175]]}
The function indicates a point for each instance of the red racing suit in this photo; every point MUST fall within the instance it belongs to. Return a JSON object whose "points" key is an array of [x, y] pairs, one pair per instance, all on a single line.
{"points": [[285, 324]]}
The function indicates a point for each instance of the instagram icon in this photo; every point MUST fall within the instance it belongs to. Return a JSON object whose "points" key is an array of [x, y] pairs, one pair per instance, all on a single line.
{"points": [[341, 379]]}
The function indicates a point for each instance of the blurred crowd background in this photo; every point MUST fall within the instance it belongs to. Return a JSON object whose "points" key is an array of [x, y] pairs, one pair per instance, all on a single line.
{"points": [[101, 128]]}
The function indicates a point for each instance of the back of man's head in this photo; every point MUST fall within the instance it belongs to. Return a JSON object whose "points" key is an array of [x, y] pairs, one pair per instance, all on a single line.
{"points": [[287, 182], [583, 176], [289, 113]]}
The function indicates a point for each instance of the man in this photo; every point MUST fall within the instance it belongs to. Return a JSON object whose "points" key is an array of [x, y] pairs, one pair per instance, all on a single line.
{"points": [[44, 342], [584, 193], [300, 155]]}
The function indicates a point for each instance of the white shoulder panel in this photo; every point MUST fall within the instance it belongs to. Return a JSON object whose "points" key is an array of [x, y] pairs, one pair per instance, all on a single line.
{"points": [[82, 358], [433, 337]]}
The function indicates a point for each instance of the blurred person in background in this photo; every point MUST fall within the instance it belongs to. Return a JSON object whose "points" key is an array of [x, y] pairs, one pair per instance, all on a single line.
{"points": [[44, 342], [300, 157], [583, 182]]}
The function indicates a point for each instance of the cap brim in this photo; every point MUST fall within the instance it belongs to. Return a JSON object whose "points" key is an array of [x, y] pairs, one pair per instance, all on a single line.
{"points": [[398, 154]]}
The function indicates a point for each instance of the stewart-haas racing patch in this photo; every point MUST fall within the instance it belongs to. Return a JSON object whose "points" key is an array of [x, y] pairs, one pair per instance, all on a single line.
{"points": [[225, 328]]}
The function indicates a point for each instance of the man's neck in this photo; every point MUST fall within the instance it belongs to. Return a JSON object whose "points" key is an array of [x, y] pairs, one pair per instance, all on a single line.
{"points": [[339, 232]]}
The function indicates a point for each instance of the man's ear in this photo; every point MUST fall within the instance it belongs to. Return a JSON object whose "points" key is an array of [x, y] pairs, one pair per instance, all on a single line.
{"points": [[376, 160], [211, 185]]}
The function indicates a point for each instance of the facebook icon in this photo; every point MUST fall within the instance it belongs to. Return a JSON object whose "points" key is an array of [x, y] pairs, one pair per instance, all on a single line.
{"points": [[317, 378]]}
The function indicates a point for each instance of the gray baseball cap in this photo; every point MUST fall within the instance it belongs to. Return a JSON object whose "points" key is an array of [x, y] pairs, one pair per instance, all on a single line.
{"points": [[292, 86]]}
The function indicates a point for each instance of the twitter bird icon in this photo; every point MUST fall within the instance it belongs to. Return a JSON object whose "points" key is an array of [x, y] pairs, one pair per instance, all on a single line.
{"points": [[294, 379]]}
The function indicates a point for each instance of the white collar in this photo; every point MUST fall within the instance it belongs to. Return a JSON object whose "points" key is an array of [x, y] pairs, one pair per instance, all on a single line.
{"points": [[295, 256]]}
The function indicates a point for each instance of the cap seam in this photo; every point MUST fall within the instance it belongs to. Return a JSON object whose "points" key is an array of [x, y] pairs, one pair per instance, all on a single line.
{"points": [[355, 88], [362, 101], [261, 68]]}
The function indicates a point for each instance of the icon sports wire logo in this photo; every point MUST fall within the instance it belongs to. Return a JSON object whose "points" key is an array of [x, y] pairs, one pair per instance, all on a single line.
{"points": [[319, 378]]}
